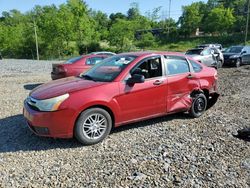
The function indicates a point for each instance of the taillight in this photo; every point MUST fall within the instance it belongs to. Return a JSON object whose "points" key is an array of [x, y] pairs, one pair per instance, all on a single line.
{"points": [[61, 69]]}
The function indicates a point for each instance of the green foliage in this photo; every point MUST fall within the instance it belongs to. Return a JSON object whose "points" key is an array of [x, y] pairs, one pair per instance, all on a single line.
{"points": [[191, 19], [73, 28], [146, 40], [220, 20]]}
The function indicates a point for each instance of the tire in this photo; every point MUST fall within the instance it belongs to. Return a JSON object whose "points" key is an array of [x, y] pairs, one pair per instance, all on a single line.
{"points": [[199, 105], [238, 63], [93, 126], [219, 64]]}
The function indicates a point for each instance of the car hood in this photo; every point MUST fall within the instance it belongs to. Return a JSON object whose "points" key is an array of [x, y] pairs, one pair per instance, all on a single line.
{"points": [[62, 86], [230, 54]]}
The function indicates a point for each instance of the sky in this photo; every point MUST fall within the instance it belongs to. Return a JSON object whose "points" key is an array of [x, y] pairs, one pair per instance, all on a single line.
{"points": [[107, 6]]}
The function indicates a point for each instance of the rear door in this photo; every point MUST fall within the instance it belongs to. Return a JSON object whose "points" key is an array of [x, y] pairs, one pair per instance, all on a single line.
{"points": [[182, 80]]}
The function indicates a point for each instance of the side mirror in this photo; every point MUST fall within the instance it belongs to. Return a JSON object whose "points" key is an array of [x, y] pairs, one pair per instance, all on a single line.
{"points": [[136, 78], [244, 52]]}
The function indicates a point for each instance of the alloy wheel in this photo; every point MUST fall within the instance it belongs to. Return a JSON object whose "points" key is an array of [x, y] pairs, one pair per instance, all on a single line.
{"points": [[94, 126]]}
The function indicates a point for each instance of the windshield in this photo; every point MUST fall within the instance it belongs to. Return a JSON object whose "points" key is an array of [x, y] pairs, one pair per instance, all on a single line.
{"points": [[73, 60], [109, 68], [234, 49], [194, 52]]}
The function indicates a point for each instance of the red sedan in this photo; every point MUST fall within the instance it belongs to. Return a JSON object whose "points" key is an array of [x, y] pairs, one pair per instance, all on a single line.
{"points": [[75, 66], [122, 89]]}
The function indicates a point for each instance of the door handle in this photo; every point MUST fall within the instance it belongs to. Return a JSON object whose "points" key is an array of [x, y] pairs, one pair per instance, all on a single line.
{"points": [[158, 82], [190, 76]]}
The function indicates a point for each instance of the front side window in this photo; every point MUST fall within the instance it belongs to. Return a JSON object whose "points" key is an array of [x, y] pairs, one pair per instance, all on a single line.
{"points": [[73, 60], [108, 69], [149, 68], [206, 52], [176, 66]]}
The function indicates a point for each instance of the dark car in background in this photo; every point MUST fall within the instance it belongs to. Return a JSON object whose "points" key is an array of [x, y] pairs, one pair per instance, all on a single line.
{"points": [[75, 66], [237, 55], [204, 55]]}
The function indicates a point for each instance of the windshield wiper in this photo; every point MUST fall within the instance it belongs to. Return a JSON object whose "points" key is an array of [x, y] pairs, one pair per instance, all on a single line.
{"points": [[87, 77]]}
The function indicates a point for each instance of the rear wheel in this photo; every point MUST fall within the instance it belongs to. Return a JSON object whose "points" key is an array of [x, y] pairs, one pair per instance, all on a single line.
{"points": [[199, 105], [93, 126]]}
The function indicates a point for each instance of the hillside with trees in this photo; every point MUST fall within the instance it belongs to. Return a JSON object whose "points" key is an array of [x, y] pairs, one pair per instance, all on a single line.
{"points": [[74, 28]]}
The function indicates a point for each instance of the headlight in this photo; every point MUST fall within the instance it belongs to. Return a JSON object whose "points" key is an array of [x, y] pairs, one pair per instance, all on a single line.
{"points": [[52, 104], [234, 56]]}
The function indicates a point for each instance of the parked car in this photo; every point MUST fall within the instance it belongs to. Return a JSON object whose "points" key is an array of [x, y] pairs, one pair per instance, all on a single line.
{"points": [[75, 66], [218, 46], [104, 53], [204, 55], [125, 88], [237, 55]]}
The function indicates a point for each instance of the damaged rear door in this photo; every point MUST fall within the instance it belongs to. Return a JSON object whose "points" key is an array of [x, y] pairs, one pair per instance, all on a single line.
{"points": [[181, 80]]}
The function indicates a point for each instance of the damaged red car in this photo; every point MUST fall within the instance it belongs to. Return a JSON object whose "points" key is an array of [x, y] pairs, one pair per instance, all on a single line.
{"points": [[122, 89]]}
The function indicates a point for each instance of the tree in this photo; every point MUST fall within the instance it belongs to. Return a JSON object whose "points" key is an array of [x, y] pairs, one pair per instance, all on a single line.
{"points": [[133, 13], [190, 19], [220, 20], [122, 35], [146, 40]]}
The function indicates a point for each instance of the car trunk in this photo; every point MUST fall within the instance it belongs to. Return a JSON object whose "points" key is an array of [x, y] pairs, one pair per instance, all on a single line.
{"points": [[57, 68]]}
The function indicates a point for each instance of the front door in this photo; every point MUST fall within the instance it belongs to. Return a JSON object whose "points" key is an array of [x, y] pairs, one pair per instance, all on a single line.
{"points": [[146, 99]]}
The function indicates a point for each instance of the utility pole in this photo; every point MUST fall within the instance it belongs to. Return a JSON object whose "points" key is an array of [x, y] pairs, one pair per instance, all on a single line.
{"points": [[248, 6], [37, 51], [169, 17]]}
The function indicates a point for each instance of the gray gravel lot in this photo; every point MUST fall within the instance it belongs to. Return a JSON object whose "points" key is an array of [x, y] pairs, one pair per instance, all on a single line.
{"points": [[164, 152]]}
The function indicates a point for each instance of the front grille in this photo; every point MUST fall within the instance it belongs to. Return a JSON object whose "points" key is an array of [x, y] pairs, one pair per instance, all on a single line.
{"points": [[39, 130], [33, 107], [31, 102]]}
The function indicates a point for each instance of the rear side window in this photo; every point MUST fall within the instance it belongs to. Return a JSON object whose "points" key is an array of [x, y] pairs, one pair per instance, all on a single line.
{"points": [[176, 66], [196, 66], [94, 60]]}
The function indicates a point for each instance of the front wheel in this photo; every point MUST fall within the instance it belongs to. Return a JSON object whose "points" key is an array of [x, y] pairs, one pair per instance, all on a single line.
{"points": [[219, 64], [93, 126], [238, 63], [199, 105]]}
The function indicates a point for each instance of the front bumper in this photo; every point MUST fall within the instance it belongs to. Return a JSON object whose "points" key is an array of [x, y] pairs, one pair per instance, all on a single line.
{"points": [[230, 62], [57, 124]]}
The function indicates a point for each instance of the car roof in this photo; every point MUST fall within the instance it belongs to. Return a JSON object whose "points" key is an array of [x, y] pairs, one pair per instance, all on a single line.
{"points": [[93, 55], [237, 46], [100, 52], [149, 53]]}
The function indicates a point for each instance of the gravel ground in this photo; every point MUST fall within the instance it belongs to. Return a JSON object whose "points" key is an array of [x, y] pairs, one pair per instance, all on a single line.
{"points": [[164, 152]]}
